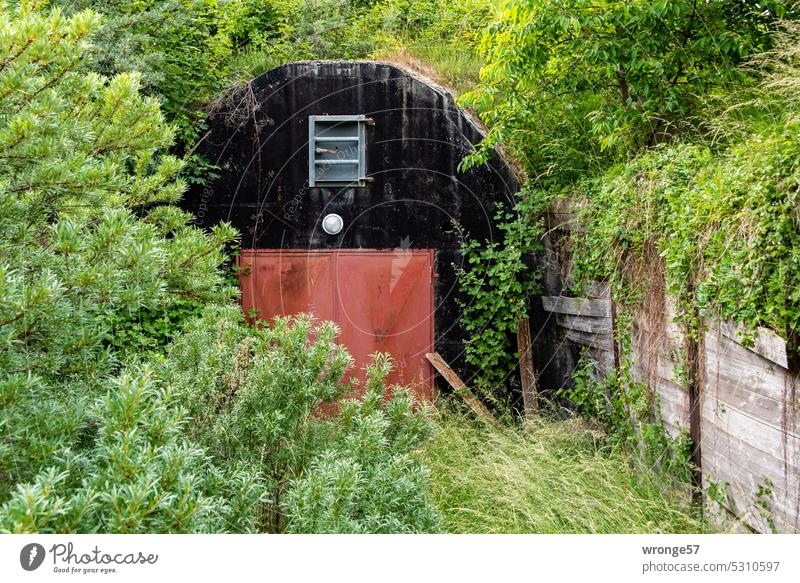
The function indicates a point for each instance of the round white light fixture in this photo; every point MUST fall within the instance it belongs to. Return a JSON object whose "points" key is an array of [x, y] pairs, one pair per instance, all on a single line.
{"points": [[332, 224]]}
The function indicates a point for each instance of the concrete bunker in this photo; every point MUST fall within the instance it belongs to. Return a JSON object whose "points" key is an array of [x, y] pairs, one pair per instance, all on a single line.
{"points": [[343, 179]]}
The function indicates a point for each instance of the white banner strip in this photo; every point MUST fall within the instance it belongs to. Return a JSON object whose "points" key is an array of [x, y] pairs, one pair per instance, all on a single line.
{"points": [[371, 558]]}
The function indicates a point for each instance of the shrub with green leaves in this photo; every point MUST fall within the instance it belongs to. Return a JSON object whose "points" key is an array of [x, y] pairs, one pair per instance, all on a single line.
{"points": [[257, 396], [89, 238], [128, 467], [724, 225], [179, 47], [89, 241], [365, 479], [497, 282], [574, 86]]}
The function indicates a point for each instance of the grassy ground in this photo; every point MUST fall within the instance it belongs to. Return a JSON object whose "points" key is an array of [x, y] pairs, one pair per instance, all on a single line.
{"points": [[552, 477], [456, 68]]}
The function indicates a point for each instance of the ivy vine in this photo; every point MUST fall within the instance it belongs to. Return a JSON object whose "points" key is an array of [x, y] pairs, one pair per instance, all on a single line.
{"points": [[498, 280]]}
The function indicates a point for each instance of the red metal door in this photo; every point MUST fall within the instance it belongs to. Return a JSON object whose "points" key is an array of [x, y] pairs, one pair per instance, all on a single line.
{"points": [[382, 300]]}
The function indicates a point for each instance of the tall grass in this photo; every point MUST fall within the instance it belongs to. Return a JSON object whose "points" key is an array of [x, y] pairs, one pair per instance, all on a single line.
{"points": [[550, 477], [459, 66], [455, 67]]}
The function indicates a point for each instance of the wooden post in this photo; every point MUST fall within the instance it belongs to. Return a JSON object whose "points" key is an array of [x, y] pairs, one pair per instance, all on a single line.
{"points": [[527, 373], [461, 389], [695, 413]]}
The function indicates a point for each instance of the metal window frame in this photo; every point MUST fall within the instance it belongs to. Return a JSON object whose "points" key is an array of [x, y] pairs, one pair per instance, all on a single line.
{"points": [[360, 138]]}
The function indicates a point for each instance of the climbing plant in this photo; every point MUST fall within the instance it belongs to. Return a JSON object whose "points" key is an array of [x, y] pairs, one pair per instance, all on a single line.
{"points": [[498, 280], [724, 226]]}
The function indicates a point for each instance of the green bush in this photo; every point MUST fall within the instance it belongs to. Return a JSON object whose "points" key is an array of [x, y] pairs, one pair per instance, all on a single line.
{"points": [[574, 86], [179, 47], [366, 480], [89, 241], [255, 396], [130, 468], [723, 223]]}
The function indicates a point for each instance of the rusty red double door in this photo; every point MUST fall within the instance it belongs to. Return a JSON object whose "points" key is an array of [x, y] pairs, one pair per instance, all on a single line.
{"points": [[382, 300]]}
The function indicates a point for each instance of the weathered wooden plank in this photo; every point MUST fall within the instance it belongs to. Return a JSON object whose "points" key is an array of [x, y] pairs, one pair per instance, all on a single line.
{"points": [[749, 425], [562, 213], [596, 289], [771, 440], [599, 341], [727, 362], [566, 204], [460, 388], [741, 501], [752, 466], [673, 394], [730, 460], [599, 308], [747, 454], [675, 418], [765, 342], [530, 396], [588, 324], [731, 393], [659, 366]]}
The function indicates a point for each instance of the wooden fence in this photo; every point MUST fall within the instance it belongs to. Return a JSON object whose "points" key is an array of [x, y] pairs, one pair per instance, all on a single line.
{"points": [[745, 396]]}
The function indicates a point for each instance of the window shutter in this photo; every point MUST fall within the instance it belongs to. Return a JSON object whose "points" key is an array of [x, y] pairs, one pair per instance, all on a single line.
{"points": [[337, 150]]}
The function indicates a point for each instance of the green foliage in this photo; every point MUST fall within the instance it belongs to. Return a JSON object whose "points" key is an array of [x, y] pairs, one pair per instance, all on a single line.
{"points": [[189, 51], [180, 48], [723, 224], [89, 241], [498, 281], [322, 29], [718, 492], [629, 412], [130, 469], [365, 480], [256, 396], [572, 86], [546, 477], [84, 190], [247, 22], [764, 497], [443, 34]]}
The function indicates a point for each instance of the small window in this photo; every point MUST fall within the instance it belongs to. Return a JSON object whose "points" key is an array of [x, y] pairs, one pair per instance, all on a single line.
{"points": [[336, 150]]}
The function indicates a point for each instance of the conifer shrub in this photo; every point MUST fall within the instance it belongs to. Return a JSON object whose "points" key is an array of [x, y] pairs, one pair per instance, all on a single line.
{"points": [[257, 395], [100, 429], [89, 242]]}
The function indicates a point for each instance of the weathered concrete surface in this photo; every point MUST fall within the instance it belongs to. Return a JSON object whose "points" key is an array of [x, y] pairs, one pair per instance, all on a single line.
{"points": [[418, 199]]}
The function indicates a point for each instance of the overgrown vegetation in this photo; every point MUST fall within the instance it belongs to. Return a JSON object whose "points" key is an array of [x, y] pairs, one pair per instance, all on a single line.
{"points": [[573, 86], [499, 281], [723, 220], [255, 396], [546, 477], [676, 124], [136, 399], [189, 51], [630, 415], [101, 430]]}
